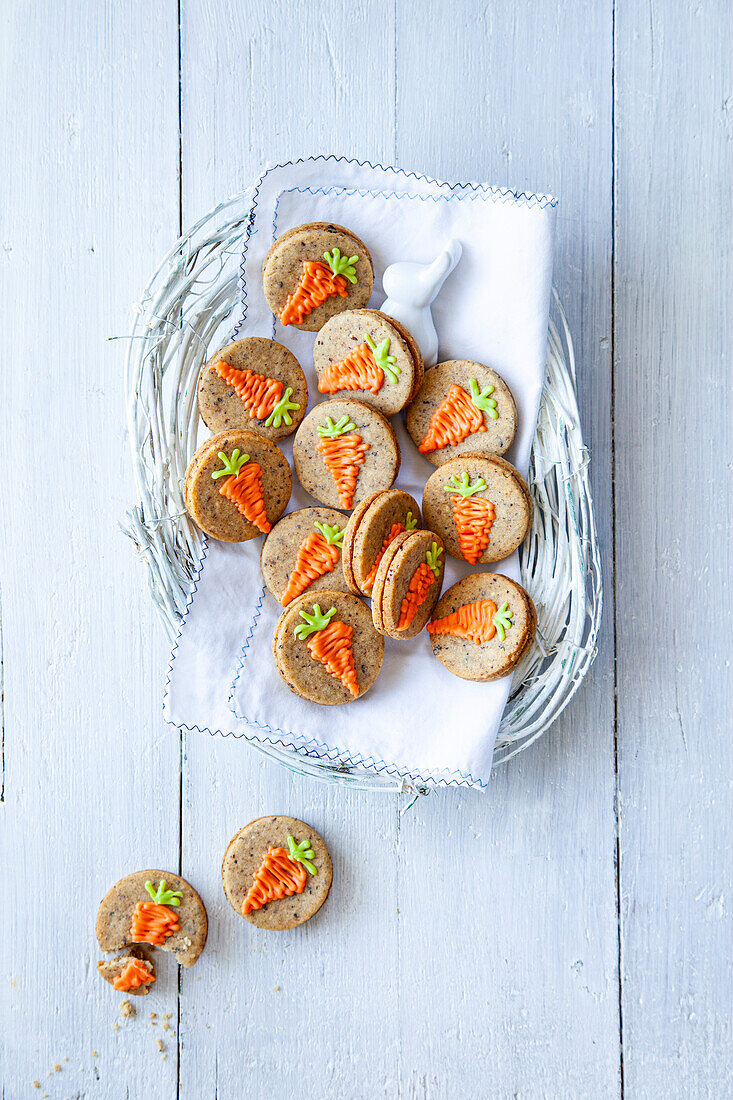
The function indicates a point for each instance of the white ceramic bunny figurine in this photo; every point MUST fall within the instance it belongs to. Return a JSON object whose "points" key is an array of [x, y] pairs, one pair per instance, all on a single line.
{"points": [[410, 290]]}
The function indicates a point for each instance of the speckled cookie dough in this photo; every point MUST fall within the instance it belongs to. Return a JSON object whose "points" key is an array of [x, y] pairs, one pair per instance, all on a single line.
{"points": [[303, 552], [126, 972], [313, 272], [462, 407], [255, 384], [239, 496], [326, 648], [480, 506], [344, 451], [130, 900], [482, 626], [301, 860], [378, 519], [363, 353], [408, 584]]}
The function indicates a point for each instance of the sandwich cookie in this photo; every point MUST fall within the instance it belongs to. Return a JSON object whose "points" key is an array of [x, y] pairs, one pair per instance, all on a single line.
{"points": [[256, 384], [344, 451], [237, 485], [480, 507], [153, 907], [462, 407], [313, 272], [327, 650], [304, 552], [371, 528], [277, 872], [408, 584], [483, 626], [367, 354]]}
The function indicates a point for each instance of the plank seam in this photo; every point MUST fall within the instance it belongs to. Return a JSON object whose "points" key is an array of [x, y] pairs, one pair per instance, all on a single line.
{"points": [[617, 802]]}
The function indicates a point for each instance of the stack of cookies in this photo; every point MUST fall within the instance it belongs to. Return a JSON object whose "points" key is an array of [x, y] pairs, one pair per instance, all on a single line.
{"points": [[363, 539]]}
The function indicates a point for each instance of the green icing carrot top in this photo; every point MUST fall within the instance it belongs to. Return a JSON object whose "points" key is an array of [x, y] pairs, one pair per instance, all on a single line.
{"points": [[341, 265]]}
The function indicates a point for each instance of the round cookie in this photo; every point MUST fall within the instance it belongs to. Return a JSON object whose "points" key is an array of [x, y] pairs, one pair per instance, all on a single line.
{"points": [[363, 352], [482, 626], [253, 383], [218, 491], [351, 440], [319, 268], [462, 407], [372, 526], [119, 905], [479, 505], [408, 584], [244, 858], [326, 649], [126, 972], [303, 552]]}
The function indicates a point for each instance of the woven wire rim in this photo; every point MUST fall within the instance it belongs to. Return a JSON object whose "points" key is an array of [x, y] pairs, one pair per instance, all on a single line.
{"points": [[185, 310]]}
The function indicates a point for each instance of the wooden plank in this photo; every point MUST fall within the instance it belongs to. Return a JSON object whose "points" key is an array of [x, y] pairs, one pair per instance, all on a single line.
{"points": [[674, 317], [511, 987], [313, 1012], [88, 203]]}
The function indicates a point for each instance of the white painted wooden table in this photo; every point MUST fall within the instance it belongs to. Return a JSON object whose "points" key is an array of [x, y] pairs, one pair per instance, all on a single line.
{"points": [[568, 934]]}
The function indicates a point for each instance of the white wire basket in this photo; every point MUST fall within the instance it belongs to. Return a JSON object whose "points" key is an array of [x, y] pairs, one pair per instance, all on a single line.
{"points": [[188, 308]]}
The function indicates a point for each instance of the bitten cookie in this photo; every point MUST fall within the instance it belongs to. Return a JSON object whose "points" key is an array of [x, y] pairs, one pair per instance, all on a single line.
{"points": [[327, 650], [237, 485], [277, 872], [372, 526], [365, 352], [483, 626], [303, 552], [154, 907], [131, 972], [315, 271], [462, 407], [408, 584], [344, 451], [253, 383], [480, 507]]}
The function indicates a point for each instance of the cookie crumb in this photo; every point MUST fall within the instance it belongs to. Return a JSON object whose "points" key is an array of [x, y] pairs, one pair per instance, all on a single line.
{"points": [[161, 1044], [116, 1026], [126, 1009], [94, 1054], [36, 1084], [66, 1059], [276, 988], [163, 1057], [166, 1026], [167, 1015], [57, 1067]]}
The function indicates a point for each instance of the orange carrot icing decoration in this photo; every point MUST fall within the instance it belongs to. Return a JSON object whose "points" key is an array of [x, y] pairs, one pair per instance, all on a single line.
{"points": [[363, 369], [474, 516], [280, 875], [343, 455], [478, 622], [134, 974], [458, 416], [318, 282], [395, 530], [419, 586], [263, 397], [153, 921], [243, 487], [318, 554], [331, 644]]}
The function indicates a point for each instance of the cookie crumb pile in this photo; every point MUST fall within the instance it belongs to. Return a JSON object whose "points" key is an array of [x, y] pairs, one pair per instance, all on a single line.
{"points": [[321, 563]]}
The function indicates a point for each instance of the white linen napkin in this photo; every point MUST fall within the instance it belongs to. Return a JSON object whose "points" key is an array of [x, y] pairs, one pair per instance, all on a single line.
{"points": [[417, 721]]}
